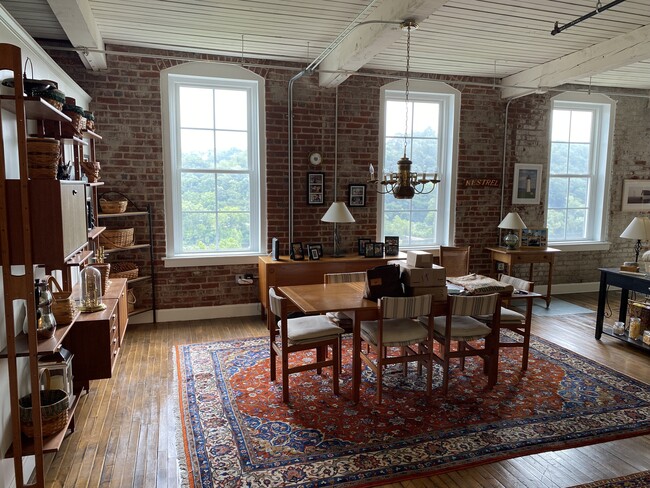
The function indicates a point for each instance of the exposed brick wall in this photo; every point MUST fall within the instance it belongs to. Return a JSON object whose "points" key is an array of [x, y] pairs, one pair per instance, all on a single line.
{"points": [[126, 101]]}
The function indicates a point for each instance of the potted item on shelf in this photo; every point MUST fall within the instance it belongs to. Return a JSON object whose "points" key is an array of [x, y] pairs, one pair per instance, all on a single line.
{"points": [[53, 96], [54, 412]]}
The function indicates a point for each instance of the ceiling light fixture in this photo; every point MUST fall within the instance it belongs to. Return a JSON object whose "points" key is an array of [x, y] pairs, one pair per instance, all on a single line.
{"points": [[404, 184]]}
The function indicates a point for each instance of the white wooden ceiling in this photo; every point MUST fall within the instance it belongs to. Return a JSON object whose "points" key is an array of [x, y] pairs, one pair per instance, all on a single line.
{"points": [[503, 40]]}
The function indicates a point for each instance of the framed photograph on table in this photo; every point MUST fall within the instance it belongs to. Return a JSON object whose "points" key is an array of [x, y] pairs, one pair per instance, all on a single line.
{"points": [[391, 245], [636, 195], [357, 195], [534, 238], [315, 188], [362, 246], [317, 247], [527, 183], [297, 252]]}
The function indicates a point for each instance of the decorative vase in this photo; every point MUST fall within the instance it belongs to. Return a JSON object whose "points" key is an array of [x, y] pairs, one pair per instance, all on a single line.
{"points": [[45, 321]]}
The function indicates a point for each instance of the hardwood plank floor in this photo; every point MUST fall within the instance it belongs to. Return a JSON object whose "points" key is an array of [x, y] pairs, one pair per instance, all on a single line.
{"points": [[125, 427]]}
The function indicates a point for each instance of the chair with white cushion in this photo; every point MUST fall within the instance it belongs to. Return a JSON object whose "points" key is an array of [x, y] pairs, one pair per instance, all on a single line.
{"points": [[459, 326], [513, 320], [398, 328], [287, 336]]}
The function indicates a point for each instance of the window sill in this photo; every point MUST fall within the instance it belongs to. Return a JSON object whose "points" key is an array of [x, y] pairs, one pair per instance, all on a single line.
{"points": [[189, 261], [578, 246]]}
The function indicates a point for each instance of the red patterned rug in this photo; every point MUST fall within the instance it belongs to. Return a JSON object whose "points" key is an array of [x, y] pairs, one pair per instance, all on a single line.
{"points": [[636, 480], [236, 431]]}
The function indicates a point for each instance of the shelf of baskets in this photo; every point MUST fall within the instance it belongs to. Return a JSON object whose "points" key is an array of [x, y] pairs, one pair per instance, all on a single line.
{"points": [[115, 205]]}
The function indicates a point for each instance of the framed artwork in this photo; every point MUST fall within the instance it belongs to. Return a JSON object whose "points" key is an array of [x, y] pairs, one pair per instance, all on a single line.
{"points": [[636, 195], [318, 247], [315, 188], [374, 250], [534, 238], [527, 184], [357, 195], [391, 245], [297, 252], [313, 254], [362, 246]]}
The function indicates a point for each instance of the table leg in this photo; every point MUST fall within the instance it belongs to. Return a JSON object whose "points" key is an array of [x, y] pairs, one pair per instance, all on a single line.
{"points": [[602, 298], [622, 310], [527, 326], [550, 282], [356, 357]]}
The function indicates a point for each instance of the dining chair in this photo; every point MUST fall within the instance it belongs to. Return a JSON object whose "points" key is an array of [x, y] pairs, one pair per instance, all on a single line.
{"points": [[287, 336], [455, 260], [459, 326], [513, 320], [398, 328], [344, 319]]}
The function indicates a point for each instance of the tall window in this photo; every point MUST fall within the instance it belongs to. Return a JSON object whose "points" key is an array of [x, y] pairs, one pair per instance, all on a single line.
{"points": [[431, 124], [215, 153], [579, 153]]}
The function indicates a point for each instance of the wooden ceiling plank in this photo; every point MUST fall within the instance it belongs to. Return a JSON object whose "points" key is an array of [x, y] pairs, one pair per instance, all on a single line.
{"points": [[608, 55], [364, 43], [78, 22]]}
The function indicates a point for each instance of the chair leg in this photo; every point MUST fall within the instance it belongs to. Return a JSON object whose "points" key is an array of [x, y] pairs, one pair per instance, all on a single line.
{"points": [[336, 365], [524, 353], [405, 366], [272, 359], [285, 378], [461, 348], [320, 356]]}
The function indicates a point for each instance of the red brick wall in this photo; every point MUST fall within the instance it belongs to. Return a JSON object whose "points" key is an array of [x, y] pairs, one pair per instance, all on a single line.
{"points": [[126, 101]]}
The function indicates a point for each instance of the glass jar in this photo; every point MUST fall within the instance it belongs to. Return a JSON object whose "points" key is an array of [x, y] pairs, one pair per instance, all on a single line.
{"points": [[90, 284], [45, 321], [619, 328], [635, 328], [646, 337]]}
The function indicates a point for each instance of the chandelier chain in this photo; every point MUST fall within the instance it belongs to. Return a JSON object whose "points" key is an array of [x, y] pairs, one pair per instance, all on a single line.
{"points": [[408, 65]]}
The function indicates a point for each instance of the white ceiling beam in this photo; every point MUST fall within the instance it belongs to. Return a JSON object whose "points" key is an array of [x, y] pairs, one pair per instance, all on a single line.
{"points": [[365, 42], [608, 55], [78, 22]]}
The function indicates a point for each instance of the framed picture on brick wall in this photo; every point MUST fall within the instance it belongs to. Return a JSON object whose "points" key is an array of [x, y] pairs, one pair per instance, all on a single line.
{"points": [[315, 189], [527, 184], [636, 195]]}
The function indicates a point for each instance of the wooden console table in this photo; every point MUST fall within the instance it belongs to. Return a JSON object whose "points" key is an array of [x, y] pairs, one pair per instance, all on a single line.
{"points": [[286, 272], [626, 282], [527, 256]]}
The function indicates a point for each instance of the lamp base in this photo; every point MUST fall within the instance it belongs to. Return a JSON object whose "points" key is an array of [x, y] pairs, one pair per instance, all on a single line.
{"points": [[511, 240]]}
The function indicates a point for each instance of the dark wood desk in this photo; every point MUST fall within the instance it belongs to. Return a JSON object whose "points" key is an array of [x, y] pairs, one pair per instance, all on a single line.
{"points": [[288, 272], [626, 282], [527, 256]]}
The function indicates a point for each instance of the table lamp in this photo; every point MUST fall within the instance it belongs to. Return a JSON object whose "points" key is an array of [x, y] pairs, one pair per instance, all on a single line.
{"points": [[512, 221], [639, 230], [339, 214]]}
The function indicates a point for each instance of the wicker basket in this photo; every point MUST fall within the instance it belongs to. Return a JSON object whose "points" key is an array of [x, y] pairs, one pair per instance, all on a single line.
{"points": [[77, 123], [54, 412], [124, 270], [91, 169], [43, 157], [116, 238], [113, 206], [130, 301], [62, 303]]}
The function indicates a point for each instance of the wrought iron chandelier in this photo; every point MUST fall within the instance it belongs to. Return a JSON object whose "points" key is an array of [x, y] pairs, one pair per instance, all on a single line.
{"points": [[404, 184]]}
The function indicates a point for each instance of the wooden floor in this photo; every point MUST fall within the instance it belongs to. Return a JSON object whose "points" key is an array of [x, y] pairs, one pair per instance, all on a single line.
{"points": [[125, 426]]}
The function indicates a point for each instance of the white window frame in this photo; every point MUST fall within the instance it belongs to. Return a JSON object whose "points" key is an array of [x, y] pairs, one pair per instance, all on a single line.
{"points": [[212, 75], [449, 99], [604, 110]]}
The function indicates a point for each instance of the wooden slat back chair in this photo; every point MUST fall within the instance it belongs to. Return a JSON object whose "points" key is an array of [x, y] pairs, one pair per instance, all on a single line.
{"points": [[344, 319], [459, 326], [455, 260], [513, 320], [287, 336], [398, 327]]}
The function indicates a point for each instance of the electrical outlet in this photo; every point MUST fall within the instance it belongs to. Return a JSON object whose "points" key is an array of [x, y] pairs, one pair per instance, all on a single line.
{"points": [[238, 278], [501, 266]]}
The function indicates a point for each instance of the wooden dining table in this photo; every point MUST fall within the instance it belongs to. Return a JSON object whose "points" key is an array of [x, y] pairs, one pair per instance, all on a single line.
{"points": [[349, 297]]}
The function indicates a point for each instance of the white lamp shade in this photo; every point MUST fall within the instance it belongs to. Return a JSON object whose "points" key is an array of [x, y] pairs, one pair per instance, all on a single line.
{"points": [[512, 221], [639, 229], [338, 213]]}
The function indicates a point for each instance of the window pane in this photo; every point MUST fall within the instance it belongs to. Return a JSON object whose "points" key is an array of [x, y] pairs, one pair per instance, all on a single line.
{"points": [[578, 193], [396, 225], [561, 124], [556, 224], [198, 192], [423, 228], [559, 158], [234, 230], [425, 155], [233, 192], [395, 118], [425, 119], [392, 204], [579, 159], [427, 201], [576, 224], [232, 150], [580, 126], [199, 232], [196, 107], [558, 192], [197, 149], [231, 107]]}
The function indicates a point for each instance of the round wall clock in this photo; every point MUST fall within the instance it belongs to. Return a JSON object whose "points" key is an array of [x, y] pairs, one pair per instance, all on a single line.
{"points": [[315, 158]]}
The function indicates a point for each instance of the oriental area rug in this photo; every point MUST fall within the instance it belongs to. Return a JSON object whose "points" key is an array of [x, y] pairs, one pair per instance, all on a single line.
{"points": [[234, 429]]}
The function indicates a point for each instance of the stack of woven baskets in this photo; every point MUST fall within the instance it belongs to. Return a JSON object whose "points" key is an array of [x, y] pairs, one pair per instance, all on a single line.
{"points": [[43, 155], [78, 120]]}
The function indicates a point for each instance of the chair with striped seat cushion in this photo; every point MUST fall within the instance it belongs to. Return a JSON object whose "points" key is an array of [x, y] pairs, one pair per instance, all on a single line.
{"points": [[513, 320], [398, 328], [287, 336], [459, 326], [344, 319]]}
